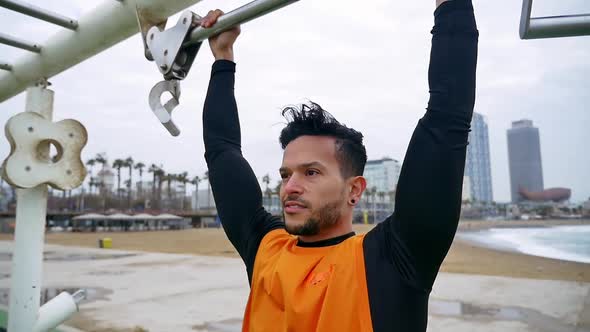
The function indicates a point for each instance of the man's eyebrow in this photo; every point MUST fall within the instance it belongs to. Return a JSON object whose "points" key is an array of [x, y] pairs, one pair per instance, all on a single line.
{"points": [[311, 164], [304, 165]]}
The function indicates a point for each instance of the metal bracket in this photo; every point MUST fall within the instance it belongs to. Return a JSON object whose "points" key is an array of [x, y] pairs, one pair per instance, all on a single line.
{"points": [[174, 61], [146, 22], [164, 112], [165, 46]]}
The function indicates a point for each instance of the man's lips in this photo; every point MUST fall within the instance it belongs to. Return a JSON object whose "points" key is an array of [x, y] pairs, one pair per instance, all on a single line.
{"points": [[294, 207]]}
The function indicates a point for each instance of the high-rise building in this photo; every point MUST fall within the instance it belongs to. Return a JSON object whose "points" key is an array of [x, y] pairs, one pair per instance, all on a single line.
{"points": [[524, 158], [477, 164], [382, 174]]}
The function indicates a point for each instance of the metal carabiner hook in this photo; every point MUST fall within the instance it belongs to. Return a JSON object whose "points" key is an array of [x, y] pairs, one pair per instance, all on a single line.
{"points": [[164, 112]]}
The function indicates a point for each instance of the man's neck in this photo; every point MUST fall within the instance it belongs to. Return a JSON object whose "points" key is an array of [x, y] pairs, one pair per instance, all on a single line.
{"points": [[338, 230], [326, 242]]}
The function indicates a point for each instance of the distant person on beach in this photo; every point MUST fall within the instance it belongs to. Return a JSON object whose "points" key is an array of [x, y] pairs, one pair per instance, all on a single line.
{"points": [[309, 271]]}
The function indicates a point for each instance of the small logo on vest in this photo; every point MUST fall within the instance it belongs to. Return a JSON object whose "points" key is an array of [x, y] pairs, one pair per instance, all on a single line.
{"points": [[315, 278]]}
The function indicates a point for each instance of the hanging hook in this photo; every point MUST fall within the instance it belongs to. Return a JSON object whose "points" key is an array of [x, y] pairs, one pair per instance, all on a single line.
{"points": [[164, 112]]}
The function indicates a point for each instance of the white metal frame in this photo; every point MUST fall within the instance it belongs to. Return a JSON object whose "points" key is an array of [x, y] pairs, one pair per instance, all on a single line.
{"points": [[551, 26], [108, 24]]}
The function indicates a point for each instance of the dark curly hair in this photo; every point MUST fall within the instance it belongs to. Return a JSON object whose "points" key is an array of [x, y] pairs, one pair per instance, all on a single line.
{"points": [[313, 120]]}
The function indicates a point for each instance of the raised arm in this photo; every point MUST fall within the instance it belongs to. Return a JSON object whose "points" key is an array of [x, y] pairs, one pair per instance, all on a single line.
{"points": [[237, 194], [428, 199]]}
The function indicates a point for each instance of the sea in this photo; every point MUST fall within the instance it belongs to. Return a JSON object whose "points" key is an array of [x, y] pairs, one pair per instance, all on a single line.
{"points": [[570, 243]]}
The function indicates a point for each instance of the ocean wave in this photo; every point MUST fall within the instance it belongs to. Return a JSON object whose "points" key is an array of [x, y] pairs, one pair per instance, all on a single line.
{"points": [[570, 243]]}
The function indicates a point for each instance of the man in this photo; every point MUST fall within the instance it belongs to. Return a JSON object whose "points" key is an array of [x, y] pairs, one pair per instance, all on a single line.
{"points": [[310, 272]]}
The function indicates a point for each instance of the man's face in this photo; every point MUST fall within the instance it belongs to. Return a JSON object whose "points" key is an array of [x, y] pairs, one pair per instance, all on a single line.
{"points": [[313, 192]]}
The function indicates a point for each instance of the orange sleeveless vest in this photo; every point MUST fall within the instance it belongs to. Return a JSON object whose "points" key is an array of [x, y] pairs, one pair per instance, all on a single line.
{"points": [[321, 289]]}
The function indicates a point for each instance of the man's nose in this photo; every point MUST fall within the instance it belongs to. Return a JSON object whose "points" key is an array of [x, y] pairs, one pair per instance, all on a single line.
{"points": [[293, 186]]}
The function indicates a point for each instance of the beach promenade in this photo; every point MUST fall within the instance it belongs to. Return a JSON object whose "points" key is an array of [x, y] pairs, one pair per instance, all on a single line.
{"points": [[192, 280]]}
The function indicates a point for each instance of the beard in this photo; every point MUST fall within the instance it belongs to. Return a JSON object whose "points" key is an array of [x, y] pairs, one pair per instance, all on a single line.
{"points": [[324, 217]]}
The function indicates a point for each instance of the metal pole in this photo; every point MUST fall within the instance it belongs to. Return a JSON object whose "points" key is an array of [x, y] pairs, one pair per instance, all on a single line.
{"points": [[238, 16], [40, 13], [27, 256], [558, 26], [551, 26], [108, 24], [16, 42]]}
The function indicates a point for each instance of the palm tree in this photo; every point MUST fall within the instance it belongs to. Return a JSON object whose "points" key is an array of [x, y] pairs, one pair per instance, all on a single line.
{"points": [[91, 163], [159, 174], [196, 181], [92, 183], [139, 166], [129, 163], [206, 177], [100, 184], [182, 178], [169, 179], [118, 164], [266, 180], [277, 191], [267, 191], [102, 159], [154, 170]]}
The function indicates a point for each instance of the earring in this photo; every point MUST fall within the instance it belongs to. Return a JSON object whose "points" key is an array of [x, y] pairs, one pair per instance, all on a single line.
{"points": [[352, 201]]}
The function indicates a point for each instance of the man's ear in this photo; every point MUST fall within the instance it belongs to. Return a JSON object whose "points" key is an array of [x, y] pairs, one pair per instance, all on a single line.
{"points": [[357, 186]]}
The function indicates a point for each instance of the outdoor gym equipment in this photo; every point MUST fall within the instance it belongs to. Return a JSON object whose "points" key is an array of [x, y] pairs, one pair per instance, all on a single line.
{"points": [[174, 50]]}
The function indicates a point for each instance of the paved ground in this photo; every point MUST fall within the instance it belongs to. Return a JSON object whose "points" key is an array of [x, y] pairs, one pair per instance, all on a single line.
{"points": [[173, 292]]}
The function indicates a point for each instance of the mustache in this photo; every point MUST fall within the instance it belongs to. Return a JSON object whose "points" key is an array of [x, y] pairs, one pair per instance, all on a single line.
{"points": [[296, 198]]}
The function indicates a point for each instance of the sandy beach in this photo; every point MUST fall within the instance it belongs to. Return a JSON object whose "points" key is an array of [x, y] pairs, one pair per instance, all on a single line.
{"points": [[463, 257], [508, 290]]}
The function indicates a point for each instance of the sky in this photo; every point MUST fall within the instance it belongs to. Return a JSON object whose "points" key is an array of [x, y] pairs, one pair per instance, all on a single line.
{"points": [[367, 65]]}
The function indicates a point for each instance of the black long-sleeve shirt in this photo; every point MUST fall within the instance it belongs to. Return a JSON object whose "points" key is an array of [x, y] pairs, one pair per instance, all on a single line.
{"points": [[403, 253]]}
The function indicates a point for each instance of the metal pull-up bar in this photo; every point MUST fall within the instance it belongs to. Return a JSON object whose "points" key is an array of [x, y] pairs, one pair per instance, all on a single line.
{"points": [[40, 13], [240, 15], [552, 26]]}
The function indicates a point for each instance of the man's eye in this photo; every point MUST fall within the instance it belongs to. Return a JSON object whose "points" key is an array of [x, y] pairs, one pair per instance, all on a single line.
{"points": [[284, 176], [311, 172]]}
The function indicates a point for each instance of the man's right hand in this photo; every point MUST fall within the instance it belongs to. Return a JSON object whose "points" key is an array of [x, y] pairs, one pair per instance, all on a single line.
{"points": [[221, 44]]}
